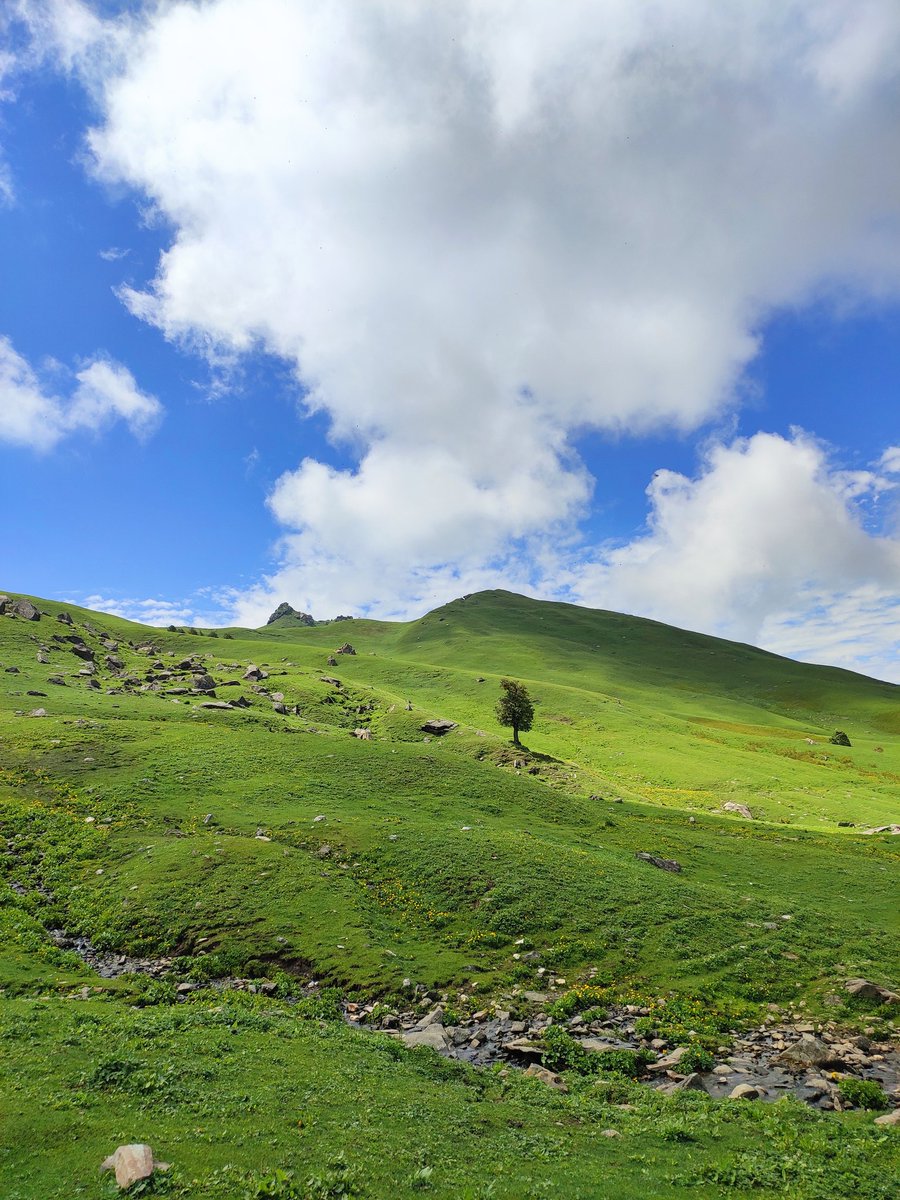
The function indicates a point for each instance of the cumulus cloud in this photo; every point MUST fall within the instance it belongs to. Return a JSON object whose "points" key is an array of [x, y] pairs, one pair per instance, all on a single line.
{"points": [[479, 230], [103, 392], [766, 526]]}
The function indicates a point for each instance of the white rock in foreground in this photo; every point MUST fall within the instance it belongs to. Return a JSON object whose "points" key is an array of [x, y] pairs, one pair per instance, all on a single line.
{"points": [[132, 1163]]}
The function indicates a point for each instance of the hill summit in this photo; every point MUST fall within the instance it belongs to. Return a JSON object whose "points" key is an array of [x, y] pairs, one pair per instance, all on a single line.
{"points": [[284, 610]]}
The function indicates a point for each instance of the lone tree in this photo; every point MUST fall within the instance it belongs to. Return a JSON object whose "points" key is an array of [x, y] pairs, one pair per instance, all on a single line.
{"points": [[515, 708]]}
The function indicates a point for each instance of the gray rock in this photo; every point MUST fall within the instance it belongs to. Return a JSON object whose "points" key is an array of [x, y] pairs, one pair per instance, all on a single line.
{"points": [[24, 609], [890, 1118], [65, 618], [741, 809], [664, 864], [744, 1091], [867, 990], [204, 683], [550, 1078], [807, 1052], [438, 727], [432, 1035]]}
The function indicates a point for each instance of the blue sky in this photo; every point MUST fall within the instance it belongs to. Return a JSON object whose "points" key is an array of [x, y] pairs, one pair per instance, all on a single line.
{"points": [[367, 307]]}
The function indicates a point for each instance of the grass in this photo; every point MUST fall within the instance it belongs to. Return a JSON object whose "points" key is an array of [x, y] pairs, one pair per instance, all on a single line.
{"points": [[250, 842]]}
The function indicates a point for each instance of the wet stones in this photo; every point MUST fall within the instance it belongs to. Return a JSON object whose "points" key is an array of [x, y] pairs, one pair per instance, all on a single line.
{"points": [[807, 1052]]}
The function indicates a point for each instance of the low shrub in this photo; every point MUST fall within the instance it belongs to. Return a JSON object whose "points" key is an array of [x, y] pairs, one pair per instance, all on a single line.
{"points": [[863, 1093]]}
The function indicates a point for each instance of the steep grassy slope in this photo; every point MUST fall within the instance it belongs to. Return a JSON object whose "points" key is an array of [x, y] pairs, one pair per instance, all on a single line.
{"points": [[252, 841]]}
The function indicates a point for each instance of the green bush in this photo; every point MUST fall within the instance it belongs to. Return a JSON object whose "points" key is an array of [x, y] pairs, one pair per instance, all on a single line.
{"points": [[863, 1093], [697, 1059]]}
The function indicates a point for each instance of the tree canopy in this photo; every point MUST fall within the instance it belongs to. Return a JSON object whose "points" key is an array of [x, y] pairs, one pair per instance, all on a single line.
{"points": [[515, 707]]}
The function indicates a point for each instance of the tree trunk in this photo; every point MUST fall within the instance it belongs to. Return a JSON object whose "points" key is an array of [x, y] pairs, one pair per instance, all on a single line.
{"points": [[516, 741]]}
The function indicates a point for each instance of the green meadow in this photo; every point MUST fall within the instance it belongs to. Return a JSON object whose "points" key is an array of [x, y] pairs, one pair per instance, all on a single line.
{"points": [[277, 845]]}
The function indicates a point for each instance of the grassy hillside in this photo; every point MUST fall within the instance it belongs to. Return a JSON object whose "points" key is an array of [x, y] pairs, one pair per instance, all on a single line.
{"points": [[268, 841]]}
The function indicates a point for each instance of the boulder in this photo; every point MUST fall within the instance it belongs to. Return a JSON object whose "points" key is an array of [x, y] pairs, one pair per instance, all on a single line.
{"points": [[550, 1078], [204, 683], [741, 809], [4, 602], [839, 738], [889, 1118], [438, 726], [808, 1052], [668, 1062], [744, 1091], [65, 618], [24, 609], [253, 673], [364, 735], [664, 864], [132, 1163], [83, 651], [114, 663], [432, 1035], [871, 991], [345, 649]]}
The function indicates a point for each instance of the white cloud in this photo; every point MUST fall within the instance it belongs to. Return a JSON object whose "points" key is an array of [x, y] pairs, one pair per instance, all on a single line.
{"points": [[890, 461], [104, 392], [765, 545], [478, 230], [152, 611], [856, 630]]}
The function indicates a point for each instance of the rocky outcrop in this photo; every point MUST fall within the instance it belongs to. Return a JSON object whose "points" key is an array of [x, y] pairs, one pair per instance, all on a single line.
{"points": [[284, 610]]}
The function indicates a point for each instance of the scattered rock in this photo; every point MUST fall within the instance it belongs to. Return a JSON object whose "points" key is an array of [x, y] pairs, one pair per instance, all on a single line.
{"points": [[38, 712], [551, 1079], [345, 649], [12, 670], [690, 1083], [21, 608], [364, 735], [204, 683], [741, 809], [890, 1118], [330, 679], [669, 1061], [254, 673], [808, 1052], [871, 991], [438, 726], [83, 651], [744, 1091], [664, 864], [839, 738], [432, 1035], [132, 1163], [65, 618]]}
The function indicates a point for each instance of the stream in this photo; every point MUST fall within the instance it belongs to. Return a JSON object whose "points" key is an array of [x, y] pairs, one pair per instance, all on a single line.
{"points": [[496, 1038]]}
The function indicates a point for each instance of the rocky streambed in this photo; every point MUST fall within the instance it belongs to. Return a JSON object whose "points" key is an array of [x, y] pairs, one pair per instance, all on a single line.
{"points": [[806, 1060]]}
